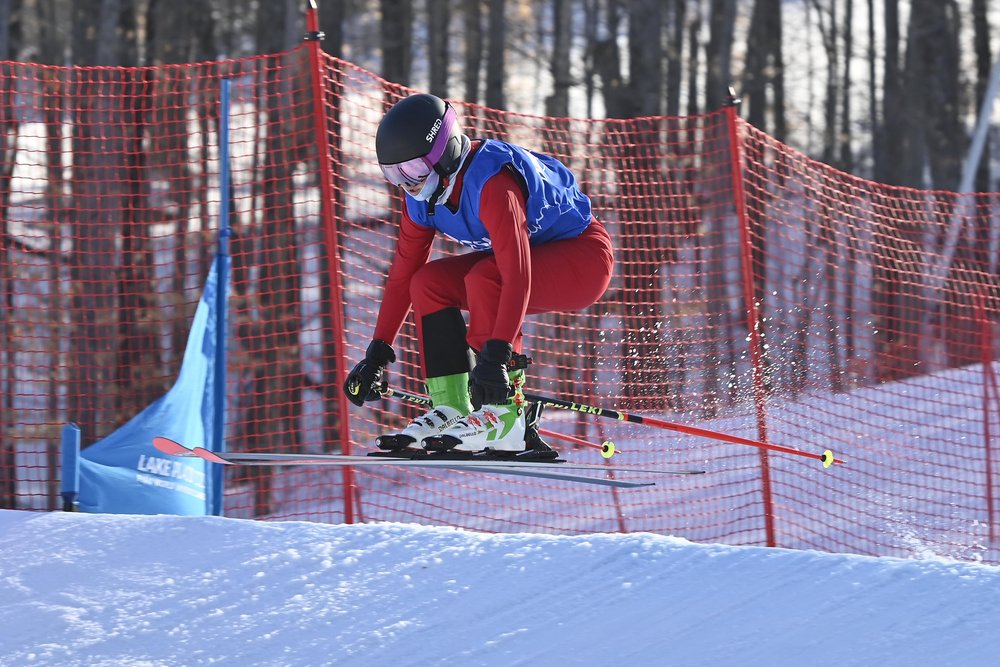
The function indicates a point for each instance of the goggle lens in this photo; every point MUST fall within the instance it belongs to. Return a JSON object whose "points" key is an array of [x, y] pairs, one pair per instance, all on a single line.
{"points": [[411, 172]]}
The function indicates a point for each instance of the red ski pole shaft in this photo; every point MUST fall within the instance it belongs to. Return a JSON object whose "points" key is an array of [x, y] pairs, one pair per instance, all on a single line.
{"points": [[826, 457], [580, 441]]}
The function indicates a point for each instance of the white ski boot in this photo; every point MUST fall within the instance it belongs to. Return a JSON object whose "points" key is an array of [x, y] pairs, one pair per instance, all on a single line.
{"points": [[431, 423], [493, 427]]}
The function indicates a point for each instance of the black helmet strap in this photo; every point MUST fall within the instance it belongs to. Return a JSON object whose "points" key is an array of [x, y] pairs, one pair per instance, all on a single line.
{"points": [[442, 185], [445, 178]]}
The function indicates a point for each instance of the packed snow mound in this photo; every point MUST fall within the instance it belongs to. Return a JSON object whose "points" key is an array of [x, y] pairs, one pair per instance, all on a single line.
{"points": [[161, 590]]}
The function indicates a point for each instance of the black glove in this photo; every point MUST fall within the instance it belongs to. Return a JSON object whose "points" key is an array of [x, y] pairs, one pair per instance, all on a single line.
{"points": [[364, 382], [488, 381]]}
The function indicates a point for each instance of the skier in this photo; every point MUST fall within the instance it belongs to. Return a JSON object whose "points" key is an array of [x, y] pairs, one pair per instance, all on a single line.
{"points": [[536, 248]]}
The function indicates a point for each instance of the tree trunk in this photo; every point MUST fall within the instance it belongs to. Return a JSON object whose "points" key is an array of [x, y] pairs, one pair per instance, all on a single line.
{"points": [[438, 19], [557, 104], [558, 140], [8, 481], [694, 50], [890, 169], [754, 92], [332, 25], [719, 55], [846, 156], [97, 197], [933, 96], [495, 55], [274, 411], [776, 36], [473, 33], [170, 43], [827, 23], [677, 19], [6, 8], [718, 209], [332, 14], [984, 65], [139, 368], [635, 152], [397, 40]]}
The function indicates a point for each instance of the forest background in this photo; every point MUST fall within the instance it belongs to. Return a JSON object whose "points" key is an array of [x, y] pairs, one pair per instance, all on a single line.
{"points": [[884, 89]]}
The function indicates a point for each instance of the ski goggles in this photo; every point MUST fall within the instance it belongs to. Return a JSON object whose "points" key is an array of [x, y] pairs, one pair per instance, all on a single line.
{"points": [[412, 172], [416, 170]]}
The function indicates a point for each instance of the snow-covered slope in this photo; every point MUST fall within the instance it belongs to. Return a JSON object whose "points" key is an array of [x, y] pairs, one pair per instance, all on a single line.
{"points": [[140, 590]]}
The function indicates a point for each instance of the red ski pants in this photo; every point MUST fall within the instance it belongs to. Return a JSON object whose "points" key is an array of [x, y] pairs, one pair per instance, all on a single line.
{"points": [[566, 275]]}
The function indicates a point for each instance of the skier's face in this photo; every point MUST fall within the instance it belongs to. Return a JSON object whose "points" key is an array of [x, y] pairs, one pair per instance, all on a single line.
{"points": [[414, 189]]}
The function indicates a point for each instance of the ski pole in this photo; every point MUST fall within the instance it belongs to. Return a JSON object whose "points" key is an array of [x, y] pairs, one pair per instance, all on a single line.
{"points": [[607, 447], [826, 457]]}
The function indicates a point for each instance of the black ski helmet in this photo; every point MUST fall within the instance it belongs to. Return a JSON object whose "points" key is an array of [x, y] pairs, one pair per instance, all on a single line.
{"points": [[410, 127]]}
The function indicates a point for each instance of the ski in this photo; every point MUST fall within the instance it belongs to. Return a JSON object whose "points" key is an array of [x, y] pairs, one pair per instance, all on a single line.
{"points": [[438, 461], [547, 470]]}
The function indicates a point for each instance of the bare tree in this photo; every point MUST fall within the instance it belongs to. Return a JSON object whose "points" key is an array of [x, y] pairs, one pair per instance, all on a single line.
{"points": [[845, 155], [984, 63], [7, 361], [557, 104], [496, 55], [169, 43], [693, 61], [763, 75], [438, 20], [332, 14], [558, 140], [473, 33], [933, 102], [7, 9], [633, 150], [826, 20], [719, 53], [846, 161], [675, 15], [971, 284], [889, 162], [138, 325], [717, 207], [278, 377], [397, 40], [935, 141], [98, 192], [878, 159], [755, 73]]}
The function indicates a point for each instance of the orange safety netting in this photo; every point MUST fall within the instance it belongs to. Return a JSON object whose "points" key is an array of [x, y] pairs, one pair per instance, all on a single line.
{"points": [[875, 312]]}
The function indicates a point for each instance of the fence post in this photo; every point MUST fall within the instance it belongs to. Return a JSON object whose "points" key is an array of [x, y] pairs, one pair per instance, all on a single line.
{"points": [[753, 317], [313, 37], [69, 487], [989, 382], [223, 263]]}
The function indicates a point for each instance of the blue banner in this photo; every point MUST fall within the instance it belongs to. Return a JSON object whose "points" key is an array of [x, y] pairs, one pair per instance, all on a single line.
{"points": [[124, 474]]}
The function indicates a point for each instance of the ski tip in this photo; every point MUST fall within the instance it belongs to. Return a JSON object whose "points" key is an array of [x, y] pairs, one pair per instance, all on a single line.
{"points": [[607, 449]]}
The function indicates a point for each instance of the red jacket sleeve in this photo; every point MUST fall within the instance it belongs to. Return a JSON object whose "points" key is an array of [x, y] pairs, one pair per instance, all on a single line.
{"points": [[502, 209], [413, 247]]}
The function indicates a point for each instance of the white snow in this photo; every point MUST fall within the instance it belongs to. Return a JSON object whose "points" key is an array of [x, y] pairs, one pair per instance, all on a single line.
{"points": [[103, 590]]}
